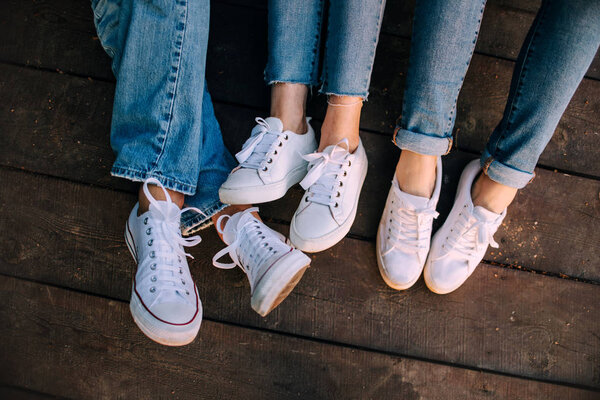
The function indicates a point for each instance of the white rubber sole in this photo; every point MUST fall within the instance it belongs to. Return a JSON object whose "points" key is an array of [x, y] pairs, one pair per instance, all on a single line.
{"points": [[331, 239], [279, 281], [161, 332], [262, 193], [386, 279]]}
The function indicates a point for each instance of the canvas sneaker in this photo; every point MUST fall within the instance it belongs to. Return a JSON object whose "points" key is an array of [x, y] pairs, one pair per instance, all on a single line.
{"points": [[328, 208], [404, 234], [272, 266], [460, 244], [270, 163], [164, 299]]}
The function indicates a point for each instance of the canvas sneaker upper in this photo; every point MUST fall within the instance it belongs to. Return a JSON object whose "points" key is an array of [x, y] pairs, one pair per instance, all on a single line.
{"points": [[460, 244]]}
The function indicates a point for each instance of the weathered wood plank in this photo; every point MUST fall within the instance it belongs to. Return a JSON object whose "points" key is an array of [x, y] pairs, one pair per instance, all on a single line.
{"points": [[502, 319], [13, 393], [81, 346], [59, 125]]}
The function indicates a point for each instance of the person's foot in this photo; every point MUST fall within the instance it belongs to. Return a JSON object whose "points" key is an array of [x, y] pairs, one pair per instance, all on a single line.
{"points": [[328, 207], [273, 267], [270, 163], [460, 244], [164, 299], [404, 234]]}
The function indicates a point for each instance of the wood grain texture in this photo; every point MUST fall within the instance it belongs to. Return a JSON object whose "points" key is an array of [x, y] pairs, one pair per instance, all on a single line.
{"points": [[503, 320], [64, 39], [65, 122], [86, 347]]}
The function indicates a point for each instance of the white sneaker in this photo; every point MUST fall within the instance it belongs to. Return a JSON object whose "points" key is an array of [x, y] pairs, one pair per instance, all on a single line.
{"points": [[164, 299], [270, 163], [273, 267], [404, 234], [328, 207], [460, 244]]}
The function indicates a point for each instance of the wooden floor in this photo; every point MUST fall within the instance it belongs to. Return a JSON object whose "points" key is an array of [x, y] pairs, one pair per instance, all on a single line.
{"points": [[526, 325]]}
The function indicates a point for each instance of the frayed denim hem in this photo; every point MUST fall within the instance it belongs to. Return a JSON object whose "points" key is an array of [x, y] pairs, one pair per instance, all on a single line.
{"points": [[142, 176], [192, 222]]}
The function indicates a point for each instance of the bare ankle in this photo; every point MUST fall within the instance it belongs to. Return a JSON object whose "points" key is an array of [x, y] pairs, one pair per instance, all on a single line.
{"points": [[416, 173], [288, 103], [492, 195], [342, 121], [156, 192]]}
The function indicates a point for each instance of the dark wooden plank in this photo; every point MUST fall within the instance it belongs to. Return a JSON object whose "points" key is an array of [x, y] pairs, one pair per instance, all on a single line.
{"points": [[59, 125], [239, 33], [13, 393], [504, 320], [81, 346]]}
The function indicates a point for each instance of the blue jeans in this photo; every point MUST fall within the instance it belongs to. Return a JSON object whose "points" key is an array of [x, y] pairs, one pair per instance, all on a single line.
{"points": [[163, 122], [557, 52], [352, 35]]}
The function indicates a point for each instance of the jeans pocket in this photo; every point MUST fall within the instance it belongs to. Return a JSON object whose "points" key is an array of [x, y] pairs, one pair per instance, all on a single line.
{"points": [[106, 20]]}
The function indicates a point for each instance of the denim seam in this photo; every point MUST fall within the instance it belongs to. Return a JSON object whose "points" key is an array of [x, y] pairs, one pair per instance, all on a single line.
{"points": [[452, 117], [522, 74], [369, 71], [175, 69]]}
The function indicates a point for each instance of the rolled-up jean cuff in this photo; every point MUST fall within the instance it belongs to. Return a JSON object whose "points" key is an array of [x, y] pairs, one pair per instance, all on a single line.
{"points": [[422, 143], [142, 176], [192, 222], [504, 174]]}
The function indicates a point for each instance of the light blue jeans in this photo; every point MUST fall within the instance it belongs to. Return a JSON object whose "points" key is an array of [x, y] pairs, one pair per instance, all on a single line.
{"points": [[554, 58], [163, 122], [352, 35]]}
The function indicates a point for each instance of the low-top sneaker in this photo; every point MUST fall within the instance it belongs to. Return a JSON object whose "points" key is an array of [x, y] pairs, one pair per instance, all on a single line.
{"points": [[404, 234], [273, 267], [460, 244], [164, 299], [328, 208], [270, 163]]}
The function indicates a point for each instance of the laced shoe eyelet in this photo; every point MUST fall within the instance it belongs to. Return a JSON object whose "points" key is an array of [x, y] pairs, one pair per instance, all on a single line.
{"points": [[148, 231], [341, 183], [152, 289], [286, 137], [152, 254], [180, 271], [153, 267], [150, 242], [336, 205], [187, 292], [280, 144], [265, 168], [349, 163], [337, 194], [306, 199], [182, 282], [345, 173], [275, 153], [269, 161], [153, 279], [146, 221]]}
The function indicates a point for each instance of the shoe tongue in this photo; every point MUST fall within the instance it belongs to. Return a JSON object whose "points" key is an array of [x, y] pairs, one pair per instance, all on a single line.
{"points": [[230, 230], [275, 124], [342, 150], [483, 214], [168, 210]]}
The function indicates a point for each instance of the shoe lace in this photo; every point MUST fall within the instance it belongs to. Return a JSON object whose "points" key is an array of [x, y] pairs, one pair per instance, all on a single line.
{"points": [[324, 171], [165, 236], [408, 228], [254, 244], [470, 236], [257, 151]]}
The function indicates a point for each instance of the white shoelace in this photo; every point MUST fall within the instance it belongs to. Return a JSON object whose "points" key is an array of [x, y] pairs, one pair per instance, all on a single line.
{"points": [[164, 235], [324, 172], [254, 244], [470, 236], [409, 228], [261, 146]]}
